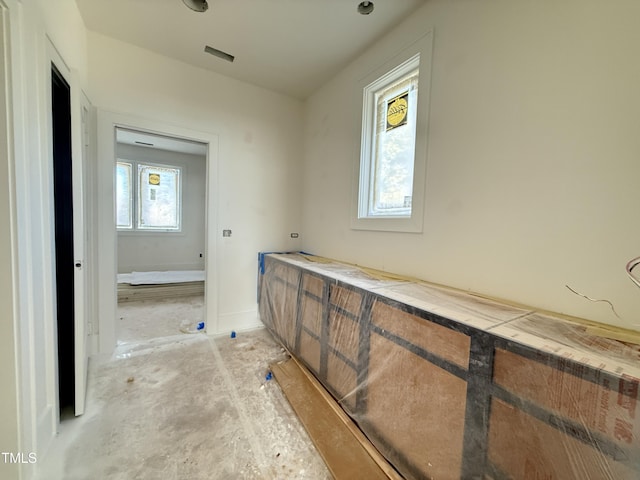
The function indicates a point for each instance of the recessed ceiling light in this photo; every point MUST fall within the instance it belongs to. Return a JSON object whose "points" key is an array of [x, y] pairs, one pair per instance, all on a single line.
{"points": [[365, 8], [197, 5]]}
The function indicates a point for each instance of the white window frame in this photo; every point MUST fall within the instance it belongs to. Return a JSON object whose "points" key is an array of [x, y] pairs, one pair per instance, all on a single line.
{"points": [[134, 201], [404, 220], [370, 121], [132, 181]]}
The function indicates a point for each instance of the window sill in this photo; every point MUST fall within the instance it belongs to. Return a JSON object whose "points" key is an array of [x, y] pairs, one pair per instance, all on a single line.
{"points": [[388, 224], [136, 233]]}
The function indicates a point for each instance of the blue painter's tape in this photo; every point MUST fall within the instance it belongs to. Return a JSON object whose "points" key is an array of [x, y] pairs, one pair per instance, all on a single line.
{"points": [[261, 262], [261, 256]]}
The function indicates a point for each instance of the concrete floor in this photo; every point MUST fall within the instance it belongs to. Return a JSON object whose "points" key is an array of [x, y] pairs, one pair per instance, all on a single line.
{"points": [[170, 405]]}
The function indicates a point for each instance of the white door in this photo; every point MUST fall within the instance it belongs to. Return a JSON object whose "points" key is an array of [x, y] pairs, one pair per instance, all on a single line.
{"points": [[80, 121]]}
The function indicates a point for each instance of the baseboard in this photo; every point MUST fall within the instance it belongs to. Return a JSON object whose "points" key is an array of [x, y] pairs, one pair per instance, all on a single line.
{"points": [[45, 431], [160, 267], [235, 322]]}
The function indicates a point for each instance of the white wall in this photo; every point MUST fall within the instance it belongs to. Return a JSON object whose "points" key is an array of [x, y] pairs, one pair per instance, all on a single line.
{"points": [[532, 161], [9, 420], [142, 251], [39, 31], [260, 146], [60, 20]]}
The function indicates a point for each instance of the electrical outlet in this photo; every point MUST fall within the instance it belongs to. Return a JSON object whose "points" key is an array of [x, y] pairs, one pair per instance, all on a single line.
{"points": [[294, 235], [201, 255], [226, 233]]}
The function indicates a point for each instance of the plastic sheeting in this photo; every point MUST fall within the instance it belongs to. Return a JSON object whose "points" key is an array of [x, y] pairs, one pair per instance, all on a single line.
{"points": [[449, 385]]}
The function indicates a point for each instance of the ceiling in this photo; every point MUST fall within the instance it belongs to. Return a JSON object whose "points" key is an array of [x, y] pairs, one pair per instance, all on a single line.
{"points": [[289, 46]]}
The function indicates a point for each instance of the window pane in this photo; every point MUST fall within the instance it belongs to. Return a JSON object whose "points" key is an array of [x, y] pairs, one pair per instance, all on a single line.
{"points": [[123, 195], [158, 198], [395, 141]]}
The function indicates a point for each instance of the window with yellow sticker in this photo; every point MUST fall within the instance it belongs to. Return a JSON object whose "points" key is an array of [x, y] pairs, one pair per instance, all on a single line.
{"points": [[152, 202], [392, 161]]}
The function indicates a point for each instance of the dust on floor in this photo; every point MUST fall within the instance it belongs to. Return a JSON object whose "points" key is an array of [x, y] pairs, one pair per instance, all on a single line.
{"points": [[185, 406]]}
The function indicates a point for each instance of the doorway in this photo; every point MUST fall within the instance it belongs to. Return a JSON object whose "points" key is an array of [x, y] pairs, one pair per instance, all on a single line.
{"points": [[107, 260], [63, 223], [161, 211]]}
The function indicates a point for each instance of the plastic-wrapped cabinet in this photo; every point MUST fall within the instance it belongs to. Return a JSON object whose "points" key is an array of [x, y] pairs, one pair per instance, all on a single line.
{"points": [[449, 385]]}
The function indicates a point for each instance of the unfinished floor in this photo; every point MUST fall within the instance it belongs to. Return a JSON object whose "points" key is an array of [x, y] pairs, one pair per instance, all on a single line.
{"points": [[172, 405]]}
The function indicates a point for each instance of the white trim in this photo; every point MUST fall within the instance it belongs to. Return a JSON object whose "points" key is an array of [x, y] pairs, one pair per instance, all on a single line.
{"points": [[106, 227], [90, 200], [52, 57], [30, 432], [29, 70], [80, 239], [9, 300], [413, 223], [128, 165], [245, 320], [370, 122]]}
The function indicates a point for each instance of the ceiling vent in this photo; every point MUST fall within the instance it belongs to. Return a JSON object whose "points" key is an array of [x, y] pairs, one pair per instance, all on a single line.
{"points": [[219, 53]]}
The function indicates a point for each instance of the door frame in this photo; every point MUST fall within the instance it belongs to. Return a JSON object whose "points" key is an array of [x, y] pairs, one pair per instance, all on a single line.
{"points": [[52, 57], [78, 101], [63, 219], [11, 416], [107, 300]]}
